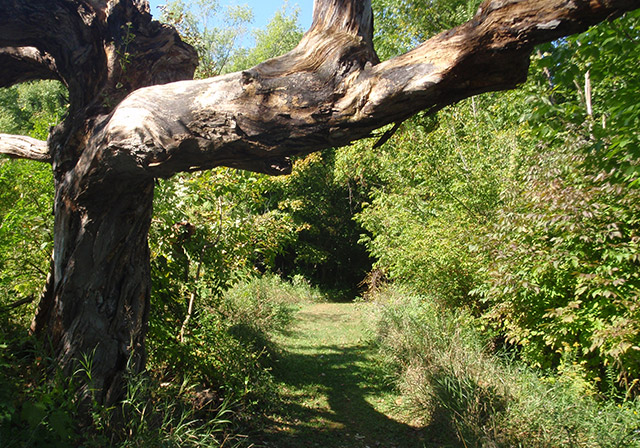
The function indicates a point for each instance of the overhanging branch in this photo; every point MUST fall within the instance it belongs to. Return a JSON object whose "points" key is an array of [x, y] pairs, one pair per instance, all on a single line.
{"points": [[329, 91], [22, 147]]}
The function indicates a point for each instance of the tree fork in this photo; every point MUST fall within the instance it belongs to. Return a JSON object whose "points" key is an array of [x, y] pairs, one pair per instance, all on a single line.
{"points": [[135, 116]]}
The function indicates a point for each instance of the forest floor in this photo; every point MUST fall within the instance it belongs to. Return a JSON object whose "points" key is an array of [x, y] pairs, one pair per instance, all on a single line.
{"points": [[335, 390]]}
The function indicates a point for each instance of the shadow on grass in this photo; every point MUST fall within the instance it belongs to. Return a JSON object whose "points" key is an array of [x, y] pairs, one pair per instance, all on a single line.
{"points": [[328, 394]]}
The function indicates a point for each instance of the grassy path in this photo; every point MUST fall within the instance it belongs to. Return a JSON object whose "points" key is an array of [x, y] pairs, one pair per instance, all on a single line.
{"points": [[336, 393]]}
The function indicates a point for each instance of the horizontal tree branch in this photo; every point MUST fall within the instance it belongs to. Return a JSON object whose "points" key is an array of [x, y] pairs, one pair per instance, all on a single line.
{"points": [[17, 304], [330, 91], [68, 31], [103, 49], [25, 64], [22, 147]]}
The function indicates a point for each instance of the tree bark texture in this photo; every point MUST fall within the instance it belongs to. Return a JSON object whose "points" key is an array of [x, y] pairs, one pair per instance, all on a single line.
{"points": [[98, 304], [135, 115], [96, 301]]}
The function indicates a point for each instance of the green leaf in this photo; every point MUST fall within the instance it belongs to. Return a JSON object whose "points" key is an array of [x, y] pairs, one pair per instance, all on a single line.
{"points": [[33, 413]]}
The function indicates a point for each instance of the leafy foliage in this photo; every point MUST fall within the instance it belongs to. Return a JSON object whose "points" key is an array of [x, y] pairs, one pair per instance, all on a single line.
{"points": [[213, 31], [401, 25], [26, 197], [322, 206], [564, 281], [526, 219], [26, 231], [437, 191], [471, 398], [32, 108]]}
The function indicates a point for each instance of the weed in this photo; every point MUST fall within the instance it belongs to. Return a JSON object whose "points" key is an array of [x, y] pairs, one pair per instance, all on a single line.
{"points": [[39, 406]]}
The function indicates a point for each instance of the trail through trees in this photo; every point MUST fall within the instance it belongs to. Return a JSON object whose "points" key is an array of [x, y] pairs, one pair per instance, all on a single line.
{"points": [[336, 392], [135, 116]]}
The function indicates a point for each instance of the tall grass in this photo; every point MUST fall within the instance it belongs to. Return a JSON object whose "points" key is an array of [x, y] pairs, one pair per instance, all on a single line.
{"points": [[473, 398], [45, 411], [228, 345], [154, 414], [267, 304]]}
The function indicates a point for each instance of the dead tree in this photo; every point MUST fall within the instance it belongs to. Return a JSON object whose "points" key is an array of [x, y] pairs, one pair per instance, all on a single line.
{"points": [[135, 115]]}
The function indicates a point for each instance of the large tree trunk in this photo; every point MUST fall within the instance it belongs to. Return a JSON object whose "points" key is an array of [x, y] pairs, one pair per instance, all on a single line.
{"points": [[327, 92], [94, 309], [97, 304]]}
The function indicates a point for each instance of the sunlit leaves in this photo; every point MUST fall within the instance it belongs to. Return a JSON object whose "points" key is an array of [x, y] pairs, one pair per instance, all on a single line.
{"points": [[26, 192], [215, 32], [438, 186], [564, 277], [401, 24], [565, 271], [281, 35], [32, 108], [606, 58]]}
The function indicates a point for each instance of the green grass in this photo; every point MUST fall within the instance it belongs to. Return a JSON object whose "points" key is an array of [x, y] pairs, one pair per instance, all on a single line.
{"points": [[402, 372], [194, 393], [397, 372], [335, 390]]}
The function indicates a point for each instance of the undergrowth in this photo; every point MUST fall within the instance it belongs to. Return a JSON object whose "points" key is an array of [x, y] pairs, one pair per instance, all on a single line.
{"points": [[473, 398], [40, 407], [195, 393], [228, 343]]}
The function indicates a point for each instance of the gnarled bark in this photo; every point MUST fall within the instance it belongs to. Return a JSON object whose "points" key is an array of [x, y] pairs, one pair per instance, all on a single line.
{"points": [[25, 64], [330, 90], [98, 304], [96, 301], [129, 122]]}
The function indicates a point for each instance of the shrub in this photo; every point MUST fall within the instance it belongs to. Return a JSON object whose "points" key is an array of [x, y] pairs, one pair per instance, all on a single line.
{"points": [[470, 397], [563, 281], [267, 303], [42, 410], [227, 343], [441, 366]]}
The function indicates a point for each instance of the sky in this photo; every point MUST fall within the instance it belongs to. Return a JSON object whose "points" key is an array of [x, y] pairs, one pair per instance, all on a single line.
{"points": [[263, 10]]}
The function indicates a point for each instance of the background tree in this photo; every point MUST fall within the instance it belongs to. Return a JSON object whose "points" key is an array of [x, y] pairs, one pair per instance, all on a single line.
{"points": [[26, 194], [518, 207], [563, 283], [216, 46]]}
